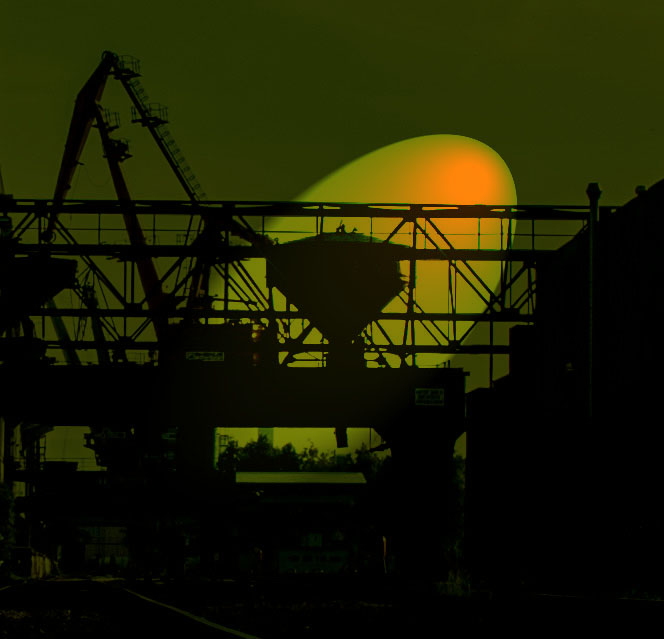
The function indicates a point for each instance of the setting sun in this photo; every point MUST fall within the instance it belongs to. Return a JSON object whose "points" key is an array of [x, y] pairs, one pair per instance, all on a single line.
{"points": [[430, 169]]}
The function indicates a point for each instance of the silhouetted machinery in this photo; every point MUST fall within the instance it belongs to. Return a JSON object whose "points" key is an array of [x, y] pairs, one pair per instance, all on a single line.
{"points": [[26, 284], [341, 281], [159, 416], [564, 454], [537, 465]]}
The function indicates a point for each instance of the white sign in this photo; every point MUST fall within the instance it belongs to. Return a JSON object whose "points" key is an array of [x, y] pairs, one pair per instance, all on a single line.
{"points": [[430, 397], [205, 356]]}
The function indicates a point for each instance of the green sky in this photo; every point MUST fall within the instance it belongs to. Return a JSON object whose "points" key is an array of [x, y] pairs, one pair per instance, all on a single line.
{"points": [[267, 97]]}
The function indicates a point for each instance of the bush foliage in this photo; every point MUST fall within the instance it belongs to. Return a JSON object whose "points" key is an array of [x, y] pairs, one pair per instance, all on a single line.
{"points": [[260, 455]]}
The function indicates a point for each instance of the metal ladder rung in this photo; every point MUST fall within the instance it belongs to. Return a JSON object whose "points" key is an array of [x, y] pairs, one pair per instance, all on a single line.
{"points": [[164, 135]]}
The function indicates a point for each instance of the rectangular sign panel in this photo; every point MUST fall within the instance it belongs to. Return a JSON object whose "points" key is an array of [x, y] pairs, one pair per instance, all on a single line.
{"points": [[429, 397], [205, 356]]}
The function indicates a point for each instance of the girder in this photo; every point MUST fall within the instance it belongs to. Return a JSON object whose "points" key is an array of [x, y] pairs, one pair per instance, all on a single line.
{"points": [[242, 297]]}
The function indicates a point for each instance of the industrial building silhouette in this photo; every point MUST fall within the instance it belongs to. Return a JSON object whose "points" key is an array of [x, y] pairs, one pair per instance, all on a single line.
{"points": [[563, 470]]}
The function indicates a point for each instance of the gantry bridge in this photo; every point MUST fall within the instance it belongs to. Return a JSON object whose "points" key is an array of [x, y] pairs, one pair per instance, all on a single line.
{"points": [[107, 268], [207, 311]]}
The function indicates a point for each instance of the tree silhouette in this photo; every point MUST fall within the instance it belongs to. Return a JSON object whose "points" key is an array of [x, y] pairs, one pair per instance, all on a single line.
{"points": [[260, 455]]}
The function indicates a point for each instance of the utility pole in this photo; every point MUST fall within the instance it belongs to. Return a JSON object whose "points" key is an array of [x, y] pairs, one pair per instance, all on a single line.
{"points": [[593, 192]]}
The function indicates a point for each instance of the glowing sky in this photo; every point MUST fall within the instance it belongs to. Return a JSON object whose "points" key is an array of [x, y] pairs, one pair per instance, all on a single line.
{"points": [[266, 98], [428, 169], [432, 169]]}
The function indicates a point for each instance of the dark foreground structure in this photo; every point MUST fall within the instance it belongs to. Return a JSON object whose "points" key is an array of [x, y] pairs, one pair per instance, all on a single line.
{"points": [[564, 454], [187, 316], [300, 610]]}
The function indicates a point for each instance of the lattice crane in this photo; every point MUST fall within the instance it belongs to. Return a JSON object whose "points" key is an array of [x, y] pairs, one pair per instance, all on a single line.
{"points": [[88, 113]]}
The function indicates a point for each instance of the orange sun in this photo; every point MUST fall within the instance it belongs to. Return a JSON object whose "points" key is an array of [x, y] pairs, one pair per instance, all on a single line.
{"points": [[434, 170], [431, 169]]}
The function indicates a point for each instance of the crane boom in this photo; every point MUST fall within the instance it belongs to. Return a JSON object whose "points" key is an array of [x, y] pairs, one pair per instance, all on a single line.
{"points": [[154, 117], [87, 112], [147, 272]]}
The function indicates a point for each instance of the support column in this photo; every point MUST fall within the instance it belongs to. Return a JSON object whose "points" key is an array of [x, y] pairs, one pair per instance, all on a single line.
{"points": [[593, 192]]}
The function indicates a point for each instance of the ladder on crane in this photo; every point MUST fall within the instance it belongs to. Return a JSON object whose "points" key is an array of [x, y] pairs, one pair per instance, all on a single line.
{"points": [[154, 117]]}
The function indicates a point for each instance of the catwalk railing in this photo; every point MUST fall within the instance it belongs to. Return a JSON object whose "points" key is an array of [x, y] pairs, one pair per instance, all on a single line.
{"points": [[470, 271]]}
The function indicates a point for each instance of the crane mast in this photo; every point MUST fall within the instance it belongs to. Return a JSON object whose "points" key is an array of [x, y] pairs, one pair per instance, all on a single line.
{"points": [[88, 113]]}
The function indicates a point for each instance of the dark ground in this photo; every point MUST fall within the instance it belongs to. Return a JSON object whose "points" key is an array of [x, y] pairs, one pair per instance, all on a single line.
{"points": [[306, 608]]}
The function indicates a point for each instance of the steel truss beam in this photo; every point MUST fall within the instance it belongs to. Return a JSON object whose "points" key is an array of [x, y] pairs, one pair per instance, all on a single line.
{"points": [[93, 234]]}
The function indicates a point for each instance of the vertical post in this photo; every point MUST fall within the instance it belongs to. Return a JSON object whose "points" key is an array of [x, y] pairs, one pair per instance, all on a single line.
{"points": [[132, 273], [593, 192], [3, 450], [411, 297], [125, 295], [226, 276], [491, 352]]}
